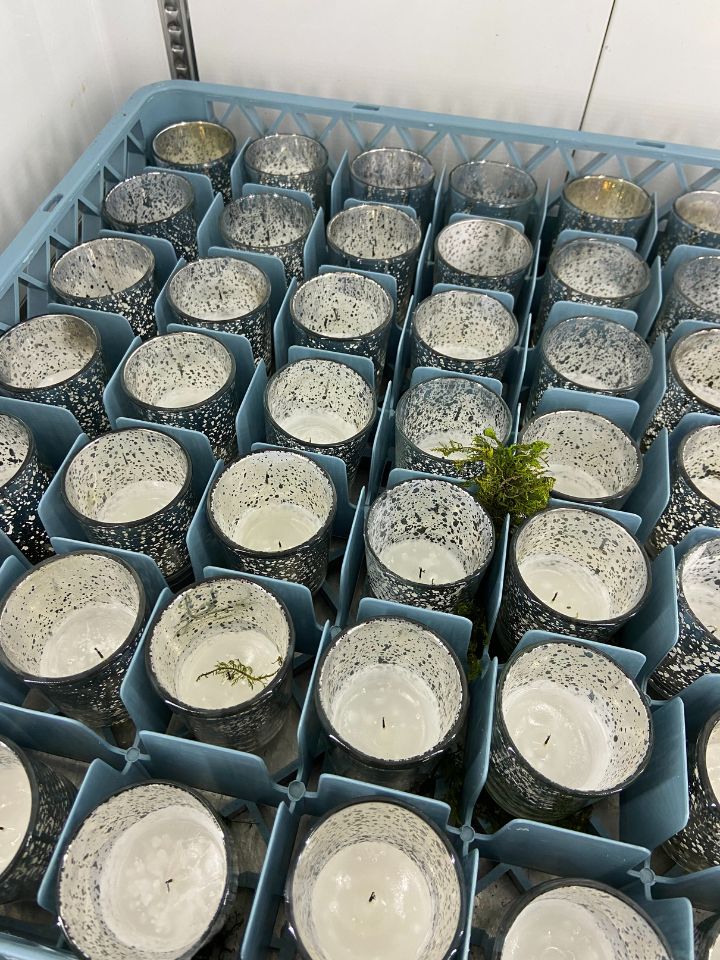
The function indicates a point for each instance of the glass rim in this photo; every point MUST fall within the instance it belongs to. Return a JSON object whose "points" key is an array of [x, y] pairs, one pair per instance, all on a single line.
{"points": [[31, 448], [226, 133], [225, 260], [696, 194], [606, 244], [396, 212], [528, 179], [132, 225], [319, 278], [680, 460], [703, 737], [29, 769], [254, 147], [475, 294], [679, 276], [424, 181], [251, 200], [635, 188], [148, 273], [672, 362], [687, 557], [501, 226]]}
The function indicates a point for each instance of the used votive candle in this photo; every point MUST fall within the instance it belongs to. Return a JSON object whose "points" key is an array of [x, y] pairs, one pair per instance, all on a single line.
{"points": [[578, 918], [697, 650], [693, 220], [570, 728], [694, 295], [392, 697], [273, 511], [602, 204], [198, 146], [56, 358], [151, 871], [269, 223], [487, 188], [224, 293], [23, 481], [34, 804], [112, 274], [132, 489], [572, 571], [376, 878], [220, 656], [465, 331], [590, 354], [69, 627], [481, 252], [321, 406], [155, 204], [186, 380], [427, 544], [394, 175], [435, 413], [344, 312], [290, 161], [592, 459]]}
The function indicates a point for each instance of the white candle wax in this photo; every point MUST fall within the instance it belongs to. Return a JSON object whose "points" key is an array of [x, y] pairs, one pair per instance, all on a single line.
{"points": [[184, 396], [460, 350], [58, 376], [15, 805], [714, 953], [279, 526], [422, 561], [318, 426], [703, 598], [251, 647], [567, 586], [163, 880], [433, 442], [387, 711], [85, 638], [712, 759], [706, 389], [371, 900], [557, 929], [138, 499], [709, 486], [573, 481]]}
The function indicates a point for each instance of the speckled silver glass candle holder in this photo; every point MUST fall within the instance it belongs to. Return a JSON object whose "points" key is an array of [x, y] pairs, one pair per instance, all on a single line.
{"points": [[392, 877], [56, 358], [381, 239], [427, 544], [707, 940], [198, 146], [269, 223], [435, 413], [132, 489], [112, 274], [578, 918], [155, 204], [394, 175], [344, 313], [465, 331], [600, 204], [290, 161], [69, 627], [697, 650], [227, 294], [273, 511], [245, 628], [35, 804], [186, 380], [320, 406], [697, 845], [592, 270], [590, 354], [592, 459], [693, 220], [572, 571], [481, 252], [570, 728], [23, 481], [695, 491], [488, 188], [392, 698], [151, 871], [694, 295]]}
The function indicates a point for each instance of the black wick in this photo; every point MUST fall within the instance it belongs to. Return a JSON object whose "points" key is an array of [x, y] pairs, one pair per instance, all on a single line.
{"points": [[98, 652], [546, 740], [372, 897], [167, 884], [383, 719]]}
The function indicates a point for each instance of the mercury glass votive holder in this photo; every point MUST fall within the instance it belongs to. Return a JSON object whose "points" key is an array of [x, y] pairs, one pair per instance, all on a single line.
{"points": [[482, 252], [694, 295], [23, 481], [198, 146], [570, 728], [488, 188], [392, 698], [150, 871], [56, 358], [435, 413], [236, 623], [393, 879], [35, 804], [132, 489], [69, 628], [227, 294], [707, 940], [155, 204], [186, 380], [290, 161], [578, 918], [603, 204], [381, 239], [592, 459], [344, 312], [273, 511], [269, 223], [322, 406], [572, 571], [394, 175], [694, 220], [112, 274], [465, 331], [590, 354], [427, 544]]}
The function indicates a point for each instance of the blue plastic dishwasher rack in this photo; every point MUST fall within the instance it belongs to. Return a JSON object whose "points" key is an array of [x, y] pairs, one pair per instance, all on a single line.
{"points": [[276, 801]]}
